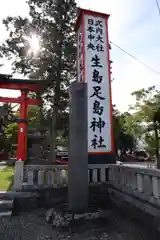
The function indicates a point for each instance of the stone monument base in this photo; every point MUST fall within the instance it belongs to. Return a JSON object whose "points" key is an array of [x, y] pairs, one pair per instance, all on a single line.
{"points": [[65, 217]]}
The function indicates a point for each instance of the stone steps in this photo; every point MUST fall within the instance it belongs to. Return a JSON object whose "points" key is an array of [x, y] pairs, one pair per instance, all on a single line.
{"points": [[6, 204], [5, 214]]}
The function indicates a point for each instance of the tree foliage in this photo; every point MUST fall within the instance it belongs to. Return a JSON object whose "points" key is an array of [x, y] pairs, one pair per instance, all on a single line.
{"points": [[147, 107], [147, 103], [11, 131], [52, 24], [124, 139]]}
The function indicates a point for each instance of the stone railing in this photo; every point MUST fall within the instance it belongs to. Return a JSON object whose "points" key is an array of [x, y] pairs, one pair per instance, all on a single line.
{"points": [[44, 176], [139, 164], [142, 183], [97, 173]]}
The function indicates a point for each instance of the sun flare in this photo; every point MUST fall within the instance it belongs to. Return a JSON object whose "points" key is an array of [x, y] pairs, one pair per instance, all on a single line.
{"points": [[34, 43]]}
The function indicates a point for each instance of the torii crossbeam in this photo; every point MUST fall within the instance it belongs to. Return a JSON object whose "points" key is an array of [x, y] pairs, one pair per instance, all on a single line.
{"points": [[25, 86]]}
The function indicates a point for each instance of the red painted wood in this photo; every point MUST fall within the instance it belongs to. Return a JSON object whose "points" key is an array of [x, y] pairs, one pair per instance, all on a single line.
{"points": [[28, 87], [22, 130], [33, 102], [20, 100], [10, 100]]}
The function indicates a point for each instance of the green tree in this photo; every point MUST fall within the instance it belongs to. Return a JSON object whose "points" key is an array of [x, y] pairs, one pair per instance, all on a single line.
{"points": [[53, 23], [6, 112], [147, 111], [11, 133], [33, 116], [124, 137], [150, 142], [147, 104], [132, 126]]}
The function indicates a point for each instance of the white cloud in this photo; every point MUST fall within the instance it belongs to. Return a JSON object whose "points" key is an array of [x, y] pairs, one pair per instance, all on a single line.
{"points": [[130, 76]]}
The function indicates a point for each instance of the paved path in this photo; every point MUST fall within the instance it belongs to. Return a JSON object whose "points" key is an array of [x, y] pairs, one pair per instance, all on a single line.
{"points": [[32, 226]]}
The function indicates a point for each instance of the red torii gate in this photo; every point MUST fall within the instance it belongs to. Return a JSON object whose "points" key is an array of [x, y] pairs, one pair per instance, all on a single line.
{"points": [[25, 86]]}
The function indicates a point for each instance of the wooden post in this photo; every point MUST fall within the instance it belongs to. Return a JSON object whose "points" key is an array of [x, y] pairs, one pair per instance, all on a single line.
{"points": [[22, 130]]}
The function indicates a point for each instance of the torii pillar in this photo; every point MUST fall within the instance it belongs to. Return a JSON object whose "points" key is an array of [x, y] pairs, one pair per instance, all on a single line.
{"points": [[25, 86], [22, 128]]}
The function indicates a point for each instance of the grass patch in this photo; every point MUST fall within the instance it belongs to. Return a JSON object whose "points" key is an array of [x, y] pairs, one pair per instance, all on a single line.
{"points": [[6, 178]]}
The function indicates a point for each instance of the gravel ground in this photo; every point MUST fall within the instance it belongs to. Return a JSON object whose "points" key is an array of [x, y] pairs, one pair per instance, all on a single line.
{"points": [[33, 226]]}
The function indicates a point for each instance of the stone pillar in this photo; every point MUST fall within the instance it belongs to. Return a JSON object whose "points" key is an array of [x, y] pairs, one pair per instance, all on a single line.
{"points": [[18, 175], [78, 154]]}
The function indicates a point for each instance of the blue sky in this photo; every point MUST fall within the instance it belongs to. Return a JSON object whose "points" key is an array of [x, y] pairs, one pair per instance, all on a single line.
{"points": [[134, 25]]}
